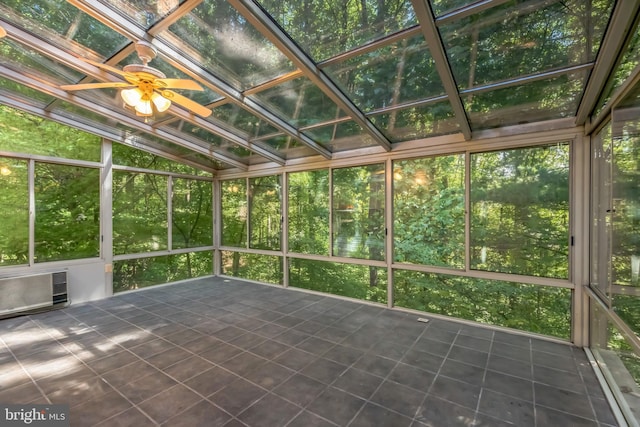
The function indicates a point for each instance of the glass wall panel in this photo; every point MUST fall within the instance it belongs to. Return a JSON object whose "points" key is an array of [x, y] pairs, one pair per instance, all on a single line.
{"points": [[67, 202], [349, 280], [429, 211], [358, 212], [128, 156], [192, 215], [265, 212], [140, 273], [14, 215], [22, 132], [262, 268], [520, 211], [139, 212], [309, 212], [533, 308], [234, 213]]}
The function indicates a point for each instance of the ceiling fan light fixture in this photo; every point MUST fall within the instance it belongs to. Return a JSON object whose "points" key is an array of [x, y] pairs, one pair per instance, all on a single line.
{"points": [[162, 104], [131, 97], [143, 108]]}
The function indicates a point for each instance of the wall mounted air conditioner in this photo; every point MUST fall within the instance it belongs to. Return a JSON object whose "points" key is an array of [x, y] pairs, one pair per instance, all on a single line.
{"points": [[26, 293]]}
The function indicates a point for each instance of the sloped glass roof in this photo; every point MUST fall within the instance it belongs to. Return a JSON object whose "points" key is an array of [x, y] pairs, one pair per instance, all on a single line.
{"points": [[286, 79]]}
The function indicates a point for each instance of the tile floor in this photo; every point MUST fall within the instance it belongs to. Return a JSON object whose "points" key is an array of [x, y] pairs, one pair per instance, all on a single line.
{"points": [[220, 352]]}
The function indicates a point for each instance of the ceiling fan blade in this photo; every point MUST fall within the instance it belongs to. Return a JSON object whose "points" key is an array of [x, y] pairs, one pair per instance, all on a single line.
{"points": [[178, 84], [83, 86], [185, 102], [112, 69]]}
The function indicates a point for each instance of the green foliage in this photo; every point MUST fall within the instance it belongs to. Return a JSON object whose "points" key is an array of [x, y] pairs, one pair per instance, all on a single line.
{"points": [[309, 212], [350, 280], [67, 212], [429, 211], [139, 273], [262, 268], [234, 213], [21, 132], [192, 214], [14, 215], [129, 156], [541, 309], [265, 195]]}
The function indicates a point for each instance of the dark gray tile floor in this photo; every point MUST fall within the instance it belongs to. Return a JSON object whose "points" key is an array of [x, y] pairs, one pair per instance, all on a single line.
{"points": [[220, 352]]}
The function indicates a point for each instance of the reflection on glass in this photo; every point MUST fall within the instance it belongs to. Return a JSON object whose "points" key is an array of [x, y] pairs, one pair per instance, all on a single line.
{"points": [[520, 211], [326, 28], [25, 133], [300, 102], [265, 212], [216, 36], [192, 215], [309, 212], [26, 94], [358, 212], [14, 215], [146, 12], [417, 122], [532, 308], [139, 212], [142, 272], [341, 136], [394, 74], [129, 156], [234, 213], [429, 211], [349, 280], [532, 102], [262, 268], [67, 212], [522, 38], [236, 117]]}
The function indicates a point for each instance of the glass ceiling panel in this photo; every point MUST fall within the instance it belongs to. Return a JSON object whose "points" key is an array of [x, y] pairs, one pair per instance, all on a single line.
{"points": [[326, 28], [145, 12], [300, 102], [629, 62], [83, 115], [524, 37], [417, 122], [440, 7], [204, 97], [341, 136], [29, 62], [61, 24], [26, 94], [225, 44], [239, 118], [287, 147], [536, 101], [394, 74]]}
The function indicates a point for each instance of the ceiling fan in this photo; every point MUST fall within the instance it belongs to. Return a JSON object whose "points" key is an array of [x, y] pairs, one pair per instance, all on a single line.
{"points": [[146, 88]]}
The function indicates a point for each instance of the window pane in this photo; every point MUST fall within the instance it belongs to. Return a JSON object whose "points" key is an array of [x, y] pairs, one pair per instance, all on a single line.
{"points": [[265, 212], [129, 156], [234, 213], [262, 268], [192, 224], [21, 132], [520, 211], [139, 212], [428, 211], [67, 212], [358, 212], [541, 309], [143, 272], [309, 212], [14, 215], [350, 280]]}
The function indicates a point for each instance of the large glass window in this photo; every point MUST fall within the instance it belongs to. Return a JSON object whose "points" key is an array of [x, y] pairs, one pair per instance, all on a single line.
{"points": [[139, 212], [265, 212], [14, 215], [234, 213], [67, 212], [541, 309], [358, 212], [350, 280], [192, 221], [309, 212], [520, 211], [429, 211], [262, 268]]}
